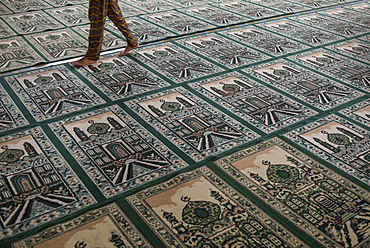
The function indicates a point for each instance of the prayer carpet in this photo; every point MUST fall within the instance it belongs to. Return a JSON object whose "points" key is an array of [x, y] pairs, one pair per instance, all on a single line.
{"points": [[235, 124]]}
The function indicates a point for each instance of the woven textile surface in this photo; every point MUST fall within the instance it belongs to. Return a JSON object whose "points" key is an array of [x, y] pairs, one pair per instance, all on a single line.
{"points": [[234, 124]]}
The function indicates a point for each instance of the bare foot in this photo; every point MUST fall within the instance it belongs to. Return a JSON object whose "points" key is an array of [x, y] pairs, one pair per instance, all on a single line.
{"points": [[84, 61], [128, 49]]}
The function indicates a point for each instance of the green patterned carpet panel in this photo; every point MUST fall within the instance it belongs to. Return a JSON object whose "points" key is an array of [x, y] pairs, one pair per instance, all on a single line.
{"points": [[234, 124], [319, 201]]}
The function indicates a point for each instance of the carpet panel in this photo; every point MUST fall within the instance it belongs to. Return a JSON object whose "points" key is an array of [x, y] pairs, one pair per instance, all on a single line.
{"points": [[199, 209], [17, 53], [10, 115], [120, 77], [263, 40], [337, 26], [340, 1], [222, 50], [128, 10], [339, 141], [115, 151], [32, 22], [322, 203], [24, 6], [185, 3], [108, 226], [60, 3], [151, 6], [71, 15], [283, 6], [143, 30], [262, 107], [356, 49], [298, 31], [51, 92], [215, 15], [194, 126], [5, 30], [174, 62], [342, 68], [316, 4], [347, 14], [58, 45], [4, 9], [362, 7], [248, 9], [178, 22], [365, 38], [359, 112], [307, 85], [36, 184]]}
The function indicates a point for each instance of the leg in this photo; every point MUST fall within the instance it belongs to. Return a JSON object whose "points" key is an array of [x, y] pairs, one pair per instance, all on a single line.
{"points": [[115, 14], [97, 16]]}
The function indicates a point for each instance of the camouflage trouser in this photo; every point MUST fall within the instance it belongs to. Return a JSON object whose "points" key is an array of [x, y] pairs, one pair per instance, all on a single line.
{"points": [[98, 11]]}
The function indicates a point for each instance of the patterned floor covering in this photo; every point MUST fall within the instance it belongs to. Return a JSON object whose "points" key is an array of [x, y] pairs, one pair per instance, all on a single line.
{"points": [[235, 124]]}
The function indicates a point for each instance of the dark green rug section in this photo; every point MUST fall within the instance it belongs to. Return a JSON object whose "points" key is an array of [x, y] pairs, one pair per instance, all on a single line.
{"points": [[234, 124]]}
